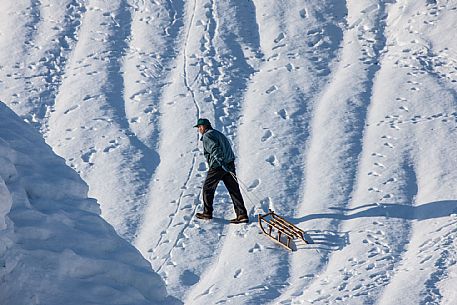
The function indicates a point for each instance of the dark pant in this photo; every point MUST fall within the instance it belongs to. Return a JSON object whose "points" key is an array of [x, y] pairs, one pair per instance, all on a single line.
{"points": [[214, 176]]}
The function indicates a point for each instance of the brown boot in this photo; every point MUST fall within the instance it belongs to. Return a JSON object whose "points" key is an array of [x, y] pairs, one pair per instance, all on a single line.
{"points": [[240, 219], [204, 216]]}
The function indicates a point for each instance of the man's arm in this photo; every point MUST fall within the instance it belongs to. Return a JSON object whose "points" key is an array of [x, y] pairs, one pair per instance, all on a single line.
{"points": [[214, 149]]}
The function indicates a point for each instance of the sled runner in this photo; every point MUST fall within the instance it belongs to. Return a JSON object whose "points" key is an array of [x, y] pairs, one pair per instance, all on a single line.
{"points": [[286, 231]]}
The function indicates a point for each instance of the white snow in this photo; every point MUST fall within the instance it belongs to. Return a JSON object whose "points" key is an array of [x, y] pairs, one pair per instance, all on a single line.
{"points": [[343, 116], [55, 247]]}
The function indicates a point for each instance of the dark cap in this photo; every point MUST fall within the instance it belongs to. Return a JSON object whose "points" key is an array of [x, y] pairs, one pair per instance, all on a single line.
{"points": [[204, 122]]}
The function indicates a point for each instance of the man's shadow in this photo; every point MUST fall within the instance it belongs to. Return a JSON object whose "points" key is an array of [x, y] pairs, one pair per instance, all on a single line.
{"points": [[332, 240], [426, 211]]}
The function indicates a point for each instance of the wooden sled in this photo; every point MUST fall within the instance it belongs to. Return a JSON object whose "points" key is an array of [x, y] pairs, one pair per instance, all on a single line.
{"points": [[286, 231]]}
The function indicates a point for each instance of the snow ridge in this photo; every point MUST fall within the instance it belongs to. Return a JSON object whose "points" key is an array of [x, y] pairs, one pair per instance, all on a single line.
{"points": [[55, 246]]}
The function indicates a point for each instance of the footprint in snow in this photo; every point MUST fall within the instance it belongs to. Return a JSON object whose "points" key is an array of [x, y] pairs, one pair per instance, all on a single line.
{"points": [[388, 145], [273, 57], [254, 184], [278, 46], [87, 157], [187, 206], [426, 245], [342, 286], [373, 189], [280, 37], [283, 114], [202, 167], [272, 160], [289, 67], [377, 155], [153, 109], [427, 258], [268, 134], [388, 137], [271, 89], [375, 174], [171, 263], [71, 109], [388, 196], [373, 252], [390, 180], [256, 248], [112, 145], [379, 165], [238, 273]]}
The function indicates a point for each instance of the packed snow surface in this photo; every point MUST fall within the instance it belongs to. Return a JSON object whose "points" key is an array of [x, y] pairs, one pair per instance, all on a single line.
{"points": [[343, 115]]}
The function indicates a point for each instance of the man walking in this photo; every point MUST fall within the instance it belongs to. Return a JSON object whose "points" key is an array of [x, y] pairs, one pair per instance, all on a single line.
{"points": [[221, 161]]}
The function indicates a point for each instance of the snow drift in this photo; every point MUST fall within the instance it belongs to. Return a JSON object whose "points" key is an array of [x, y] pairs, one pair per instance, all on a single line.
{"points": [[54, 246]]}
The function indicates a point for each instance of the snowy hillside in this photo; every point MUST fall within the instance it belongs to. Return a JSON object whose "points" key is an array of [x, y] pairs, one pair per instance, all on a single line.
{"points": [[343, 115], [54, 246]]}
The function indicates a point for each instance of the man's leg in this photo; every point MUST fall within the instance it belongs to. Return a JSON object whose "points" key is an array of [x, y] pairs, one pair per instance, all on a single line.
{"points": [[234, 189], [209, 188]]}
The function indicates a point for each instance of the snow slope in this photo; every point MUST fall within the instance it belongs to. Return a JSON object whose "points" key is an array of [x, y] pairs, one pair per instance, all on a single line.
{"points": [[342, 114], [55, 248]]}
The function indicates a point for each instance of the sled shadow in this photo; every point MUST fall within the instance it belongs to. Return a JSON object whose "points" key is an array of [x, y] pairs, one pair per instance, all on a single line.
{"points": [[324, 240], [432, 210]]}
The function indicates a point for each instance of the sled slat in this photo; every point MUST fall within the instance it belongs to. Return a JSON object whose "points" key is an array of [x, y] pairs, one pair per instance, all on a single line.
{"points": [[283, 228]]}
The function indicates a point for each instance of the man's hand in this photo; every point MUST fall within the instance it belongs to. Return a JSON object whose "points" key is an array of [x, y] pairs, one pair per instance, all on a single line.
{"points": [[225, 168], [223, 165]]}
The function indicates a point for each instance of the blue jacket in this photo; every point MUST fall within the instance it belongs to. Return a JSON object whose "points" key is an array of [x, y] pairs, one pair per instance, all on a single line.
{"points": [[217, 149]]}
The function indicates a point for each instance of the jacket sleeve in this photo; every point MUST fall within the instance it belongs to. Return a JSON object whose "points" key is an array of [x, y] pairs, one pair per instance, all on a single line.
{"points": [[214, 149]]}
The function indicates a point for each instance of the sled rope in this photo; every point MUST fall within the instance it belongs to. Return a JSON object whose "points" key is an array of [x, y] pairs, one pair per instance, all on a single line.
{"points": [[278, 222], [244, 188]]}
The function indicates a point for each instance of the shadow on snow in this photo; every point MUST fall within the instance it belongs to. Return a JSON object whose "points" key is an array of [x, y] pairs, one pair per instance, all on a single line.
{"points": [[426, 211], [332, 240]]}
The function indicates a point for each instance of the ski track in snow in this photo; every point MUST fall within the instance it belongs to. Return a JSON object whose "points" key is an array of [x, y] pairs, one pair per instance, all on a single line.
{"points": [[324, 103]]}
